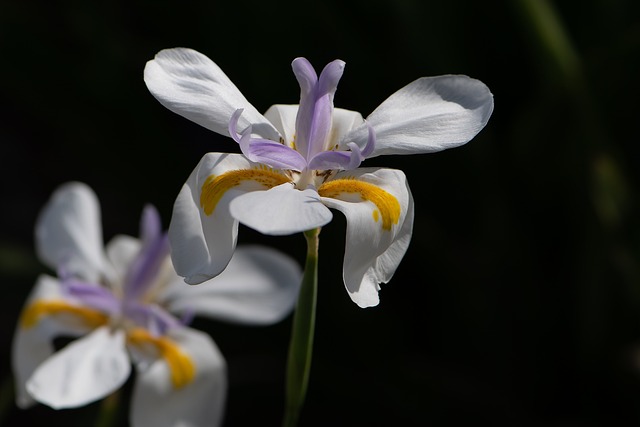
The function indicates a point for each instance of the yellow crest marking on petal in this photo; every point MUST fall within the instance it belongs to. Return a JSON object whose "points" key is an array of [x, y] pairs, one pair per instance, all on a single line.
{"points": [[32, 314], [180, 364], [387, 204], [216, 186]]}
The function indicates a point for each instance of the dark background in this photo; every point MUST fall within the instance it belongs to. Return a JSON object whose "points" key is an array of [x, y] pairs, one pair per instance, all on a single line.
{"points": [[518, 302]]}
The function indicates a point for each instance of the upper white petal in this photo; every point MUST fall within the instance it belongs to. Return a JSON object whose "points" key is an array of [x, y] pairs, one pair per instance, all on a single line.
{"points": [[200, 403], [121, 251], [427, 115], [283, 117], [190, 84], [259, 286], [281, 210], [372, 253], [84, 371], [344, 121], [34, 344], [69, 232]]}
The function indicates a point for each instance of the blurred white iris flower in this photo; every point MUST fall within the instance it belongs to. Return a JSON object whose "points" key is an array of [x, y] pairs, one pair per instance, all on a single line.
{"points": [[127, 306]]}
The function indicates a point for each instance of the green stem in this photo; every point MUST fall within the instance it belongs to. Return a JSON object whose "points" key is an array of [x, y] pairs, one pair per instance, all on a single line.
{"points": [[6, 397], [301, 344], [547, 27], [108, 414]]}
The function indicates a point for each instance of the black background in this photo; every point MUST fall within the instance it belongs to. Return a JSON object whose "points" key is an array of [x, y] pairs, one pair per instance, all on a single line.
{"points": [[518, 302]]}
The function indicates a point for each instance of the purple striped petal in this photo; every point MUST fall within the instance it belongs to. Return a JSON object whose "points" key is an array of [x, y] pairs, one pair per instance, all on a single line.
{"points": [[330, 160], [313, 122], [305, 74], [154, 252], [151, 317], [345, 160], [92, 295], [270, 153], [274, 154]]}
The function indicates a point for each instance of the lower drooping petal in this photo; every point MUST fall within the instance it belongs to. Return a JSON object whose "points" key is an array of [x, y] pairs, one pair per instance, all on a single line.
{"points": [[84, 371], [281, 210], [43, 318], [259, 286], [202, 231], [196, 400], [378, 206]]}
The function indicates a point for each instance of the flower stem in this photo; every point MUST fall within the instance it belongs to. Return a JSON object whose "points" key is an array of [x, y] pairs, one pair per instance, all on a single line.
{"points": [[6, 397], [108, 413], [301, 344]]}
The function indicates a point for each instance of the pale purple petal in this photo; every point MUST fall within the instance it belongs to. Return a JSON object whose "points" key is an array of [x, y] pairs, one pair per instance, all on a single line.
{"points": [[330, 160], [330, 77], [305, 74], [151, 317], [270, 153], [146, 266], [154, 252], [313, 123], [92, 295], [275, 155], [344, 160], [150, 224]]}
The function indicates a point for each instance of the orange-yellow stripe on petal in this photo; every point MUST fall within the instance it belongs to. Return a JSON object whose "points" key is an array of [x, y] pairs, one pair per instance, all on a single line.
{"points": [[180, 364], [215, 187], [32, 314], [387, 204]]}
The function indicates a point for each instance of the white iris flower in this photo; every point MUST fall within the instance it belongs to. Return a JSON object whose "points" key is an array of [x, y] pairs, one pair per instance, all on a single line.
{"points": [[127, 304], [298, 161]]}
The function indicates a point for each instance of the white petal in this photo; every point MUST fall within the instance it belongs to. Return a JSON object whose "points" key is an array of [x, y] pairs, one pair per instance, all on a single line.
{"points": [[191, 85], [202, 243], [121, 251], [427, 115], [377, 234], [33, 344], [69, 233], [259, 286], [84, 371], [283, 117], [200, 403], [281, 210], [344, 121]]}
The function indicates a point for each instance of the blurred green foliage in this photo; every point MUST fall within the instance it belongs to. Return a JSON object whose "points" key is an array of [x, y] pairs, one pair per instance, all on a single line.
{"points": [[518, 302]]}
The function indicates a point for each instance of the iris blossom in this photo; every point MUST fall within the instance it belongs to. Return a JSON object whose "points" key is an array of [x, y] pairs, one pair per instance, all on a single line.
{"points": [[298, 161], [127, 304]]}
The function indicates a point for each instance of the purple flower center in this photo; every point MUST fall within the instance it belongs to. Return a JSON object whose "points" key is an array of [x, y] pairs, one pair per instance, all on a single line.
{"points": [[314, 122], [139, 281]]}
